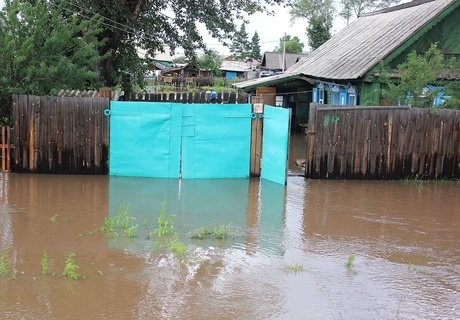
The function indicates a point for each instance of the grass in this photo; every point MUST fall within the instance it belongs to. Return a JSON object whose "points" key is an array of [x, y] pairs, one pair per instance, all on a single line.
{"points": [[54, 219], [165, 225], [44, 262], [121, 223], [177, 247], [201, 233], [4, 263], [71, 268], [350, 262], [294, 268], [221, 232]]}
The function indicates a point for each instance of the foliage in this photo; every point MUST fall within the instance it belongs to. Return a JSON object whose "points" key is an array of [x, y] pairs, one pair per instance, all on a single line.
{"points": [[42, 51], [44, 262], [122, 222], [180, 59], [212, 61], [71, 268], [165, 223], [177, 247], [221, 232], [318, 31], [319, 15], [200, 234], [290, 45], [356, 7], [255, 47], [350, 262], [241, 47], [4, 262], [154, 26], [294, 268], [413, 76]]}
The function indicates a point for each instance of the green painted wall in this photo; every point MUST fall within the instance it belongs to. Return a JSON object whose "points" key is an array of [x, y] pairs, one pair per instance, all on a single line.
{"points": [[369, 94]]}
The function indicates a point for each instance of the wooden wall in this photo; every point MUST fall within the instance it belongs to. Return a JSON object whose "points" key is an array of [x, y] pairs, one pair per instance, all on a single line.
{"points": [[60, 134], [382, 143]]}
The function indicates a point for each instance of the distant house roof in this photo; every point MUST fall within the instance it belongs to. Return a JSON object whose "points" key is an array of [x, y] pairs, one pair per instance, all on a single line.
{"points": [[274, 60], [360, 46], [352, 52], [238, 66]]}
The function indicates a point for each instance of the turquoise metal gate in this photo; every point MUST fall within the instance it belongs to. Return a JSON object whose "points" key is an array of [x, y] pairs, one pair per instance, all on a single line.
{"points": [[166, 140]]}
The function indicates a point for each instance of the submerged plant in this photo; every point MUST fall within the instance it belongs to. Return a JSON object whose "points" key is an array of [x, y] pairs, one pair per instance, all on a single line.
{"points": [[122, 222], [165, 223], [54, 219], [71, 268], [350, 262], [201, 233], [294, 268], [177, 247], [221, 232], [44, 262], [4, 263]]}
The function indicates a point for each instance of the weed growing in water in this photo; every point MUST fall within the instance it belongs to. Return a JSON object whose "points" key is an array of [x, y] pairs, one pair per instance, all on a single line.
{"points": [[122, 222], [54, 219], [201, 233], [294, 268], [350, 262], [45, 263], [221, 232], [71, 268], [177, 247], [4, 262], [165, 223]]}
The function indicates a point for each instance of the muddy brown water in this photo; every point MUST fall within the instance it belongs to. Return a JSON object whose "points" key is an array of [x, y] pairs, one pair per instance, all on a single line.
{"points": [[405, 238]]}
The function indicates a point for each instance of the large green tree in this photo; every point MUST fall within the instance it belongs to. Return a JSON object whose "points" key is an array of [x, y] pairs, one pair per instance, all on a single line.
{"points": [[241, 47], [211, 60], [42, 52], [290, 44], [153, 24], [255, 47], [319, 15]]}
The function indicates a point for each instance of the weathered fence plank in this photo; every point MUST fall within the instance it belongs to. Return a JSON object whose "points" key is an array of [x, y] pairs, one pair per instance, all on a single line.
{"points": [[60, 134], [382, 143]]}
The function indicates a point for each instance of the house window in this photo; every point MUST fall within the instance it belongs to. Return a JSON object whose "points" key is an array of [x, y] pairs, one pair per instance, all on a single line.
{"points": [[352, 101], [335, 95], [320, 93]]}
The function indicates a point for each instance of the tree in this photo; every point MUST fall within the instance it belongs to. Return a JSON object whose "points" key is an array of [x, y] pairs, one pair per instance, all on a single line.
{"points": [[359, 6], [241, 47], [319, 31], [212, 61], [413, 76], [319, 15], [41, 53], [151, 25], [290, 45], [255, 47]]}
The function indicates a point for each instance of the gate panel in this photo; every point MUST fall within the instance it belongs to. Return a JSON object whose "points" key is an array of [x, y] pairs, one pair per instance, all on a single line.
{"points": [[145, 139], [275, 144], [218, 145]]}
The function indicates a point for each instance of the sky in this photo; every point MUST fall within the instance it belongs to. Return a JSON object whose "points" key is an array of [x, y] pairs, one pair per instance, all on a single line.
{"points": [[271, 29]]}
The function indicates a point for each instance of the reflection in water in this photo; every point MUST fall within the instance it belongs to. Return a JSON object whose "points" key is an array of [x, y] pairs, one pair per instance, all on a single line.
{"points": [[406, 239]]}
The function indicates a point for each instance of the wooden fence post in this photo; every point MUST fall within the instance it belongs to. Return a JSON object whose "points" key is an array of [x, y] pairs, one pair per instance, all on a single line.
{"points": [[310, 140], [256, 135]]}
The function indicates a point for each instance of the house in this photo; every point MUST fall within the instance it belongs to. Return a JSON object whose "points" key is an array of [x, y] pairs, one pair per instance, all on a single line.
{"points": [[241, 69], [276, 62], [344, 70]]}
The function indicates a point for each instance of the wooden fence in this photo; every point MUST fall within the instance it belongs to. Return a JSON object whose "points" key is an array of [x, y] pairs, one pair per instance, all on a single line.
{"points": [[5, 148], [189, 97], [60, 134], [382, 143]]}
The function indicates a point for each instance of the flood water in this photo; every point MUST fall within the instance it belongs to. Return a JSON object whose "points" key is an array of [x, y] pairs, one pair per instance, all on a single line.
{"points": [[405, 238]]}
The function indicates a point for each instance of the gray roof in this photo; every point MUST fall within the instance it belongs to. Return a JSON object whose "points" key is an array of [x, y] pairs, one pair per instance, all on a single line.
{"points": [[360, 46], [369, 39], [274, 60]]}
